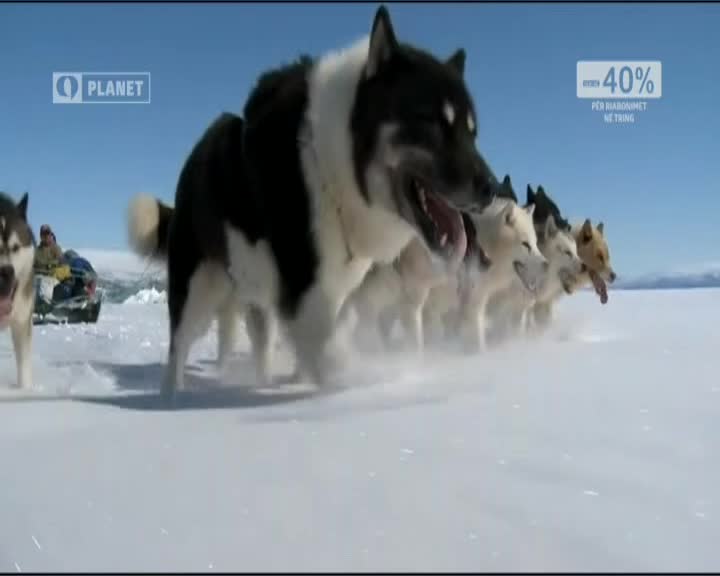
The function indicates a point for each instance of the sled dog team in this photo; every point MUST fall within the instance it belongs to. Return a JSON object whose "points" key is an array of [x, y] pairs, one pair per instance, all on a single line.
{"points": [[351, 185]]}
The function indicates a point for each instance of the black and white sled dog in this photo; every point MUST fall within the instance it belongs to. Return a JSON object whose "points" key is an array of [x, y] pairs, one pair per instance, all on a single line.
{"points": [[335, 164], [17, 294]]}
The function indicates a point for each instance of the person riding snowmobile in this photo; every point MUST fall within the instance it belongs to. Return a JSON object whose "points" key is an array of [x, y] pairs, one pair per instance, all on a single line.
{"points": [[48, 255]]}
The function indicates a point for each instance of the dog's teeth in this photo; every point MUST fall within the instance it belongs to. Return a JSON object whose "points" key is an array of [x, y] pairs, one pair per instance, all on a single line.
{"points": [[421, 194], [443, 240]]}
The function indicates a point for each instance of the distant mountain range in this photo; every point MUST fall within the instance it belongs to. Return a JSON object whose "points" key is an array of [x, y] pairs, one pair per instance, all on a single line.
{"points": [[704, 277]]}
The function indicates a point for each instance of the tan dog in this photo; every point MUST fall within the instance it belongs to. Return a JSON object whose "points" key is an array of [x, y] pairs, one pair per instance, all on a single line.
{"points": [[594, 252]]}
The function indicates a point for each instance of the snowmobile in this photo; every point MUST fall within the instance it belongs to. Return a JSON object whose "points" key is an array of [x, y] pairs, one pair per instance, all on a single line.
{"points": [[68, 294]]}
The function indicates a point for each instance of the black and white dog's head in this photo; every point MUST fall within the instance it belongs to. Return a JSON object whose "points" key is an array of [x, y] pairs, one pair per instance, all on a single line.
{"points": [[17, 251], [414, 128]]}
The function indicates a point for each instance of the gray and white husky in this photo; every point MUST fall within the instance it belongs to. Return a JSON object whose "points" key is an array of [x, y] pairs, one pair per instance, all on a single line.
{"points": [[336, 163], [506, 234], [17, 294]]}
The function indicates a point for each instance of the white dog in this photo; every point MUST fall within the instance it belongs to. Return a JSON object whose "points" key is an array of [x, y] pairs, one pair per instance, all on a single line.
{"points": [[507, 235]]}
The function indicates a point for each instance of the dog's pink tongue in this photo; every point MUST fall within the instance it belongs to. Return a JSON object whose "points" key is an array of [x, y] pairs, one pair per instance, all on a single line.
{"points": [[599, 285], [449, 222]]}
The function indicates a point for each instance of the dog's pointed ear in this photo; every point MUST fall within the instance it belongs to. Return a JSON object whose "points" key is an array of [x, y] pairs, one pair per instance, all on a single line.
{"points": [[541, 191], [457, 61], [530, 195], [22, 206], [601, 228], [551, 228], [382, 42], [587, 230]]}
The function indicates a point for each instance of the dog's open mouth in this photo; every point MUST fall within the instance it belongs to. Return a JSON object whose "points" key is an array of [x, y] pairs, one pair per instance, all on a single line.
{"points": [[6, 303], [475, 253], [441, 225], [599, 285], [529, 283]]}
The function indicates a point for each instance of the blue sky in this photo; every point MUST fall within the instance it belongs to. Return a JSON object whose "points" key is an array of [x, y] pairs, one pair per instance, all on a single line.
{"points": [[655, 184]]}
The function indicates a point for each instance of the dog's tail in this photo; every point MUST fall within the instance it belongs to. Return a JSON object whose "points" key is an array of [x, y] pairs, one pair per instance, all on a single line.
{"points": [[149, 226]]}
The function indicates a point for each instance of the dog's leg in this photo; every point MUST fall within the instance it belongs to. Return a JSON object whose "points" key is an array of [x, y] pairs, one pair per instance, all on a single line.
{"points": [[471, 330], [440, 317], [432, 325], [482, 324], [227, 331], [22, 342], [414, 325], [542, 316], [311, 331], [346, 325], [514, 323], [526, 320], [191, 313], [370, 328], [473, 322], [262, 331], [384, 323], [412, 320]]}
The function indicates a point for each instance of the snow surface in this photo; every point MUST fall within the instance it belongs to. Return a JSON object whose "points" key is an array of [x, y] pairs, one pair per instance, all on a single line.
{"points": [[592, 449], [147, 296]]}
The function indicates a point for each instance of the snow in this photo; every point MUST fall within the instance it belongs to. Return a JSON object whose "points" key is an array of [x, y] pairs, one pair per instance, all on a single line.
{"points": [[593, 449], [147, 296]]}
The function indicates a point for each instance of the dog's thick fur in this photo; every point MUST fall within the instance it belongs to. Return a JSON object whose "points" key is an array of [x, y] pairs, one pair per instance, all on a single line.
{"points": [[594, 252], [514, 314], [397, 291], [591, 245], [336, 164], [17, 294], [524, 312], [596, 271], [532, 312], [506, 233]]}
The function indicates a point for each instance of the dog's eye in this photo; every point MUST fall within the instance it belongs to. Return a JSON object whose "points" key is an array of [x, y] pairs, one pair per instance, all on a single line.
{"points": [[568, 253], [527, 245], [15, 248], [601, 257]]}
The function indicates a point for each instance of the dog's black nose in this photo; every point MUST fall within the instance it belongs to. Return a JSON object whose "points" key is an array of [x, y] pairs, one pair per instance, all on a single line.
{"points": [[7, 280], [613, 277]]}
